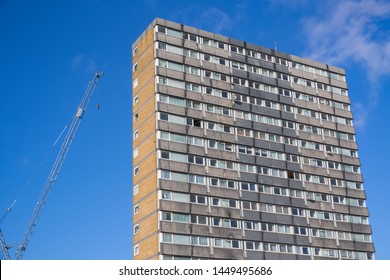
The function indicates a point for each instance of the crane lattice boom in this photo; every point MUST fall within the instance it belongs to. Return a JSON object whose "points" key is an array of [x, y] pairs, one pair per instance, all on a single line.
{"points": [[54, 172], [4, 248]]}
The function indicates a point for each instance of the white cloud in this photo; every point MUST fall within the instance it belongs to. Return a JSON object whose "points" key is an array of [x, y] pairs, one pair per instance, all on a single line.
{"points": [[361, 114], [211, 18], [77, 61], [216, 20], [350, 31], [85, 63]]}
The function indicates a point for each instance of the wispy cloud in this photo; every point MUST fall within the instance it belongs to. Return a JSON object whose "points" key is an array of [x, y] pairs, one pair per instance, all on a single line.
{"points": [[25, 161], [219, 21], [76, 61], [85, 63], [216, 20], [211, 18], [350, 31]]}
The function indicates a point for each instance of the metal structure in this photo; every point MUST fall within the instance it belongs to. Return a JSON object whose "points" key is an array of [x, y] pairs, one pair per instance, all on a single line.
{"points": [[53, 173], [4, 247]]}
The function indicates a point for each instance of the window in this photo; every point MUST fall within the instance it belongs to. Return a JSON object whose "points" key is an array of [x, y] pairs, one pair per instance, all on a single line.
{"points": [[136, 117], [195, 219], [135, 100], [223, 202], [229, 223], [235, 244], [135, 190], [136, 229], [199, 240], [249, 205], [281, 209], [292, 158], [302, 250], [136, 209], [217, 242], [136, 134], [174, 33], [135, 83], [180, 218], [282, 76], [286, 248], [238, 81], [270, 247], [166, 216], [237, 49], [216, 92], [282, 61], [243, 132], [245, 167], [231, 244], [220, 145], [239, 98], [214, 59], [135, 67], [297, 212], [238, 65], [195, 159], [221, 164], [222, 183], [199, 199], [250, 245], [288, 124], [323, 233], [190, 37], [248, 186], [300, 230], [251, 225], [136, 250], [296, 193], [213, 43], [135, 152], [136, 170], [266, 208], [320, 215], [284, 92], [311, 145], [245, 150], [190, 53], [215, 75], [219, 127], [135, 51]]}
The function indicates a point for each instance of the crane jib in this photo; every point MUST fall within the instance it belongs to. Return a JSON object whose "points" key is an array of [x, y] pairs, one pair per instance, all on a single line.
{"points": [[53, 173]]}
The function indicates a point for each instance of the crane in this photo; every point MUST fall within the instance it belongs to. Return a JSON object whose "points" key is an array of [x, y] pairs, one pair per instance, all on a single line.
{"points": [[53, 173]]}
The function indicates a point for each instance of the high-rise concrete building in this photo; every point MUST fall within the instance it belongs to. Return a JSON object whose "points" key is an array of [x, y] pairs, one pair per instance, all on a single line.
{"points": [[242, 152]]}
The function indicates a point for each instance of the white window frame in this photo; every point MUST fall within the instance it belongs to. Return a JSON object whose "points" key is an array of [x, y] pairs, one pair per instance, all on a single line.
{"points": [[135, 50], [135, 152], [136, 250], [136, 171], [136, 229], [135, 189], [135, 83], [136, 209]]}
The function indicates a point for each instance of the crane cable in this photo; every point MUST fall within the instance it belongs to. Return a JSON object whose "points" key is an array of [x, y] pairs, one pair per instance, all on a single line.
{"points": [[31, 177]]}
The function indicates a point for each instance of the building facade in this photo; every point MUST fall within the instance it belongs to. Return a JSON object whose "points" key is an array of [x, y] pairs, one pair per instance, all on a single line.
{"points": [[241, 152]]}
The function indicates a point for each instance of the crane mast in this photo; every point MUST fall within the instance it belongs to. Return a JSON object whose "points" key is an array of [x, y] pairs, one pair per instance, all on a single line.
{"points": [[54, 172], [4, 248]]}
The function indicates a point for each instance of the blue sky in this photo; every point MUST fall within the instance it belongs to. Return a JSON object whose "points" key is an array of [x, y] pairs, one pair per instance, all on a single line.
{"points": [[49, 50]]}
